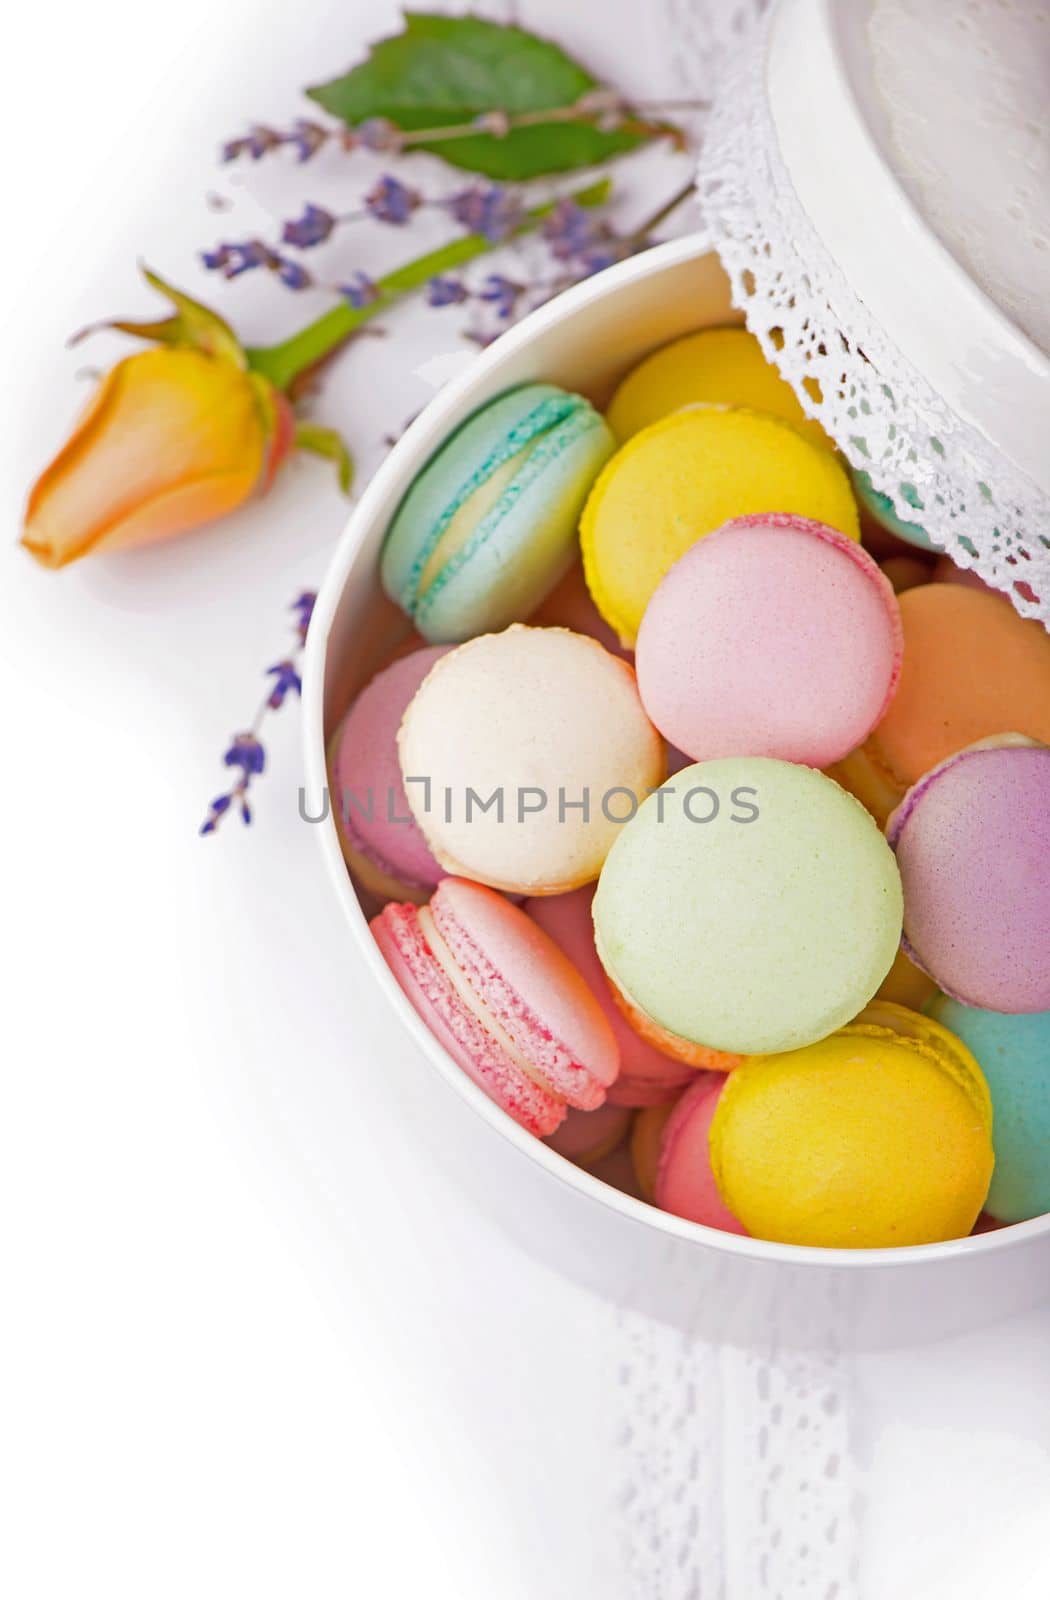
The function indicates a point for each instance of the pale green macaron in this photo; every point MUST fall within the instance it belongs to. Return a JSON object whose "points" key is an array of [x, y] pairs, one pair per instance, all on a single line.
{"points": [[488, 526], [751, 905]]}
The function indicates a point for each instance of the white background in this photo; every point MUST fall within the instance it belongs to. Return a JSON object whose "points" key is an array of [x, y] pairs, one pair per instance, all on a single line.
{"points": [[253, 1344]]}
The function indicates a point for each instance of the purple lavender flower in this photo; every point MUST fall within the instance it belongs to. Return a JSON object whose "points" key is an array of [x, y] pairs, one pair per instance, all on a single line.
{"points": [[306, 138], [446, 291], [231, 259], [486, 209], [247, 754], [303, 606], [568, 230], [260, 141], [359, 290], [501, 293], [392, 201], [292, 275], [286, 681], [312, 228], [216, 260], [378, 133]]}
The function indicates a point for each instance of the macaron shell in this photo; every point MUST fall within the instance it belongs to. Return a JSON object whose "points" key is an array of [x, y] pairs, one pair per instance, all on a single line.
{"points": [[1014, 1054], [531, 710], [887, 513], [774, 636], [646, 1138], [487, 437], [685, 1184], [569, 605], [589, 1136], [647, 1076], [518, 472], [535, 993], [859, 1141], [972, 841], [906, 572], [749, 935], [685, 476], [672, 1044], [720, 366], [906, 984], [456, 1026], [972, 668], [380, 839]]}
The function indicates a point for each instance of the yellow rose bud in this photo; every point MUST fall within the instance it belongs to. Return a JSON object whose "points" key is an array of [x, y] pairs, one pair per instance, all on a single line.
{"points": [[173, 438]]}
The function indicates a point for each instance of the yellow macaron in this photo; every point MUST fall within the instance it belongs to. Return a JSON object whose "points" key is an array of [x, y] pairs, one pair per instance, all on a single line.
{"points": [[876, 1136], [717, 366], [686, 475]]}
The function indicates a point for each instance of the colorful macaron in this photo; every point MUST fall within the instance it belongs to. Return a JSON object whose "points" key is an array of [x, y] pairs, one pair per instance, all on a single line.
{"points": [[880, 1135], [893, 515], [522, 752], [647, 1076], [972, 840], [1013, 1052], [774, 636], [751, 905], [647, 1134], [972, 668], [587, 1137], [488, 527], [685, 1183], [505, 1002], [686, 475], [381, 841], [717, 366]]}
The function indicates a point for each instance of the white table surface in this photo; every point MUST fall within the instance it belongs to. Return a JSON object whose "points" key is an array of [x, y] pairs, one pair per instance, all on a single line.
{"points": [[253, 1342]]}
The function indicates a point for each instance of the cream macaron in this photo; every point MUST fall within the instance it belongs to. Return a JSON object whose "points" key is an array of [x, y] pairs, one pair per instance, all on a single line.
{"points": [[522, 755]]}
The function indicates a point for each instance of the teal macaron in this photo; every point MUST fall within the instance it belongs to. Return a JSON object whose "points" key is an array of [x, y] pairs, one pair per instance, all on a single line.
{"points": [[1013, 1052], [488, 526], [885, 510]]}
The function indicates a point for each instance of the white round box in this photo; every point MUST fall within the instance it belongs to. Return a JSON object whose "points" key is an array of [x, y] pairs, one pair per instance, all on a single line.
{"points": [[713, 1284]]}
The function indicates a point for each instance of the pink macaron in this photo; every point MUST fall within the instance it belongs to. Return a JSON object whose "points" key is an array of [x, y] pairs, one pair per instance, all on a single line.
{"points": [[381, 840], [647, 1076], [586, 1137], [972, 839], [505, 1002], [774, 636], [685, 1184]]}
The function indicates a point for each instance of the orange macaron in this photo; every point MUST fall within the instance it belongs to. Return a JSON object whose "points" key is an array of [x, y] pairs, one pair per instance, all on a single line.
{"points": [[972, 668]]}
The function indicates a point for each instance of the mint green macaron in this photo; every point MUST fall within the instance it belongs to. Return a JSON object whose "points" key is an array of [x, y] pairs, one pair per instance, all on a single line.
{"points": [[750, 905], [488, 527]]}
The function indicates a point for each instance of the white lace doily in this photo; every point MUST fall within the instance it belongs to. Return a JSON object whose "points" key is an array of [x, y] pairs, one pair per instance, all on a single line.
{"points": [[937, 469], [737, 1479]]}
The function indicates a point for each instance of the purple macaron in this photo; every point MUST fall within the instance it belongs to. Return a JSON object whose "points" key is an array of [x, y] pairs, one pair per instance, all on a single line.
{"points": [[972, 839]]}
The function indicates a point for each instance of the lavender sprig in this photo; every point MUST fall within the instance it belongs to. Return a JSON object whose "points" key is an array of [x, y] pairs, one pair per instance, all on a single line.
{"points": [[491, 211], [603, 108], [245, 754]]}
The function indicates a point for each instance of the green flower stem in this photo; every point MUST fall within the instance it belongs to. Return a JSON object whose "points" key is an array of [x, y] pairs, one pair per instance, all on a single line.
{"points": [[283, 363]]}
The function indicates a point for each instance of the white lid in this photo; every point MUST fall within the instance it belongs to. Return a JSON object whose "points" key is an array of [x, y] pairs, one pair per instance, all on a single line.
{"points": [[840, 102], [823, 171]]}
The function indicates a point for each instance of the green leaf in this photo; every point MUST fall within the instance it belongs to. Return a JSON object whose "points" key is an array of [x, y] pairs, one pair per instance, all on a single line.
{"points": [[326, 442], [444, 71], [191, 326]]}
